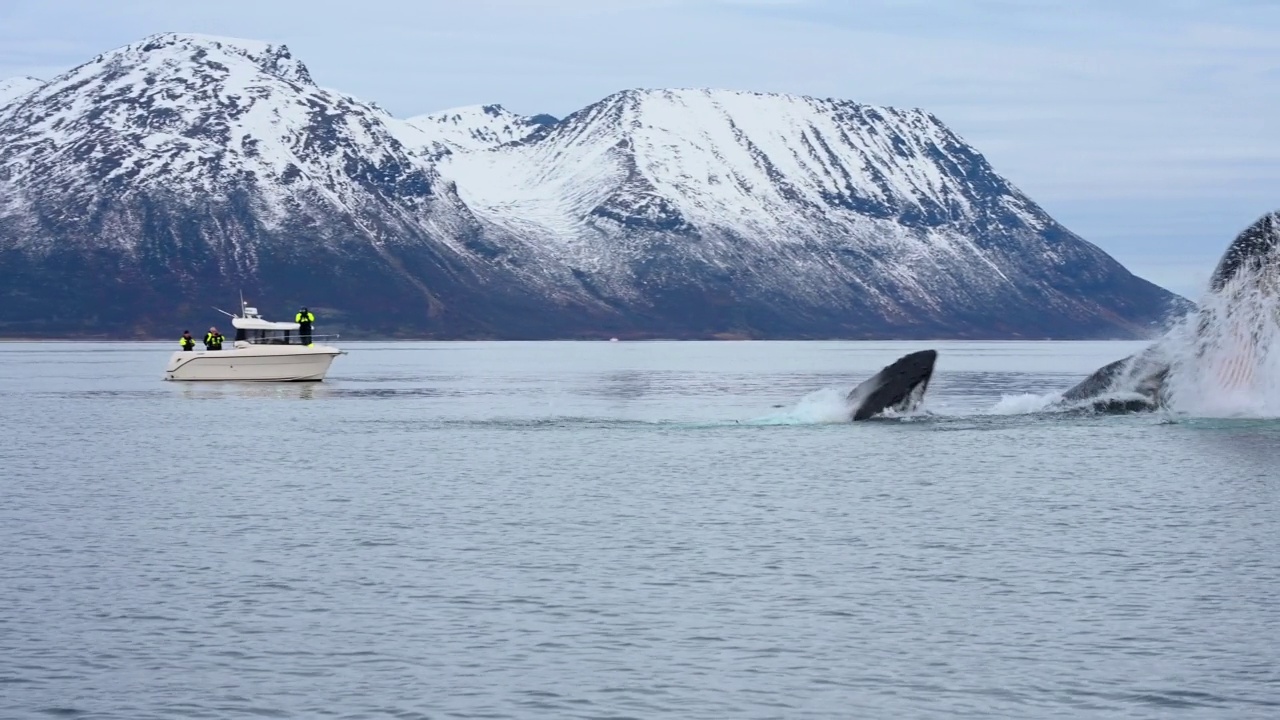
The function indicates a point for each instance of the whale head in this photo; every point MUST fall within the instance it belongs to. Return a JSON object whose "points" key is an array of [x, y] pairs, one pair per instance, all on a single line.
{"points": [[899, 386]]}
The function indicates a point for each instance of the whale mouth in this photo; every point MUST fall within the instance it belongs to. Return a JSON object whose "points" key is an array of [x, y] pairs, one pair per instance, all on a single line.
{"points": [[899, 387], [1214, 353], [1225, 360]]}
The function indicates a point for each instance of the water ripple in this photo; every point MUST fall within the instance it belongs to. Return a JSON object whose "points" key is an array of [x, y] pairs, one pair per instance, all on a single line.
{"points": [[502, 533]]}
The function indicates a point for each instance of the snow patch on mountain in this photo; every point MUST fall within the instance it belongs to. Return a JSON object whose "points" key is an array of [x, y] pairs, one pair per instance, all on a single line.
{"points": [[466, 129], [758, 163], [13, 88]]}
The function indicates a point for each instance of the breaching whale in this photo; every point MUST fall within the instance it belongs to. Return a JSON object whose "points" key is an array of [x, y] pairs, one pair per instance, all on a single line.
{"points": [[1137, 383], [1255, 251], [899, 386], [1133, 384]]}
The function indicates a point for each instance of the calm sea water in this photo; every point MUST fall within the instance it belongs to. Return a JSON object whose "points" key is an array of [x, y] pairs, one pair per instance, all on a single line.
{"points": [[625, 530]]}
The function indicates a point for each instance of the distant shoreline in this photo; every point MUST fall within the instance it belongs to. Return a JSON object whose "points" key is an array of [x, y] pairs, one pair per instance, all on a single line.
{"points": [[135, 340]]}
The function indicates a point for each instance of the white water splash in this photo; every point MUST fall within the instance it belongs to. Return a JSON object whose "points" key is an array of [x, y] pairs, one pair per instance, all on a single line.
{"points": [[1024, 404], [1224, 359], [827, 405]]}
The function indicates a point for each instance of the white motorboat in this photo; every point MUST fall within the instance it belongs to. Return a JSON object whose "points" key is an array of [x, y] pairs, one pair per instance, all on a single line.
{"points": [[263, 351]]}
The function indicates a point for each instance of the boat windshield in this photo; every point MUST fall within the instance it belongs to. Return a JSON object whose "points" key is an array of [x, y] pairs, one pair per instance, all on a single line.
{"points": [[268, 337]]}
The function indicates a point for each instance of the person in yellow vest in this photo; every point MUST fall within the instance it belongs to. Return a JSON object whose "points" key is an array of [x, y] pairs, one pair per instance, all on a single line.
{"points": [[188, 343], [304, 318], [213, 339]]}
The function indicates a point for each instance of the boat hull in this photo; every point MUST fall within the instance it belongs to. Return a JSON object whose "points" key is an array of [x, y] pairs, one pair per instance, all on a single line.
{"points": [[255, 363]]}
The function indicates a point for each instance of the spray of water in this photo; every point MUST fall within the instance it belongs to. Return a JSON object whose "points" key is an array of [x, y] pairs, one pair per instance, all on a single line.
{"points": [[827, 405], [1223, 357], [1024, 404]]}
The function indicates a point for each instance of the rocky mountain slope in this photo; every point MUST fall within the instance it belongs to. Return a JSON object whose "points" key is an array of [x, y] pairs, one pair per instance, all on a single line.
{"points": [[478, 127], [169, 175]]}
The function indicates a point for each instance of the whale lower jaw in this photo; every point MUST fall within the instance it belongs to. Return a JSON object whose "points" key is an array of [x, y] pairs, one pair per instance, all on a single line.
{"points": [[900, 387]]}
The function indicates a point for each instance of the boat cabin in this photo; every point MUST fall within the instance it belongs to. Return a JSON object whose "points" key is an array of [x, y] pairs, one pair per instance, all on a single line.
{"points": [[254, 330]]}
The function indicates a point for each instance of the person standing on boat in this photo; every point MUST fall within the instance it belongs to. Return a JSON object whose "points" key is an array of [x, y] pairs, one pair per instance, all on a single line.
{"points": [[188, 343], [213, 340], [304, 318]]}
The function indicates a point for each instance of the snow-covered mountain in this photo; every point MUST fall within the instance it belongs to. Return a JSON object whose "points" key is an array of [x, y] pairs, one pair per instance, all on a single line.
{"points": [[205, 116], [170, 174], [724, 198], [178, 170]]}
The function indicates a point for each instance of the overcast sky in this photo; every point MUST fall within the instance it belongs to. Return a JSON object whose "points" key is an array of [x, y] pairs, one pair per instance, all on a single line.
{"points": [[1138, 124]]}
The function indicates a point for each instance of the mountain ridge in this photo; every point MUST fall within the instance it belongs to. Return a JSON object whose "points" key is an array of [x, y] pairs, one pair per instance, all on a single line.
{"points": [[219, 163]]}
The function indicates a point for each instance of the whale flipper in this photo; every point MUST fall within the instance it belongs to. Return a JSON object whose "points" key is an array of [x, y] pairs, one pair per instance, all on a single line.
{"points": [[900, 386]]}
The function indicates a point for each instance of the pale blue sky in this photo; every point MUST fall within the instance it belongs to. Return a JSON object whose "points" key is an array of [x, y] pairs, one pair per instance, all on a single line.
{"points": [[1140, 125]]}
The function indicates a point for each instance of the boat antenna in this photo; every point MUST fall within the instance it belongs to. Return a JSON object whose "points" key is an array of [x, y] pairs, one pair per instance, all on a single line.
{"points": [[224, 312]]}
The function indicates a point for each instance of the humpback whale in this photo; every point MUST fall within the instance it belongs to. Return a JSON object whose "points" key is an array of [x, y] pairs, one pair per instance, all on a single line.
{"points": [[1137, 383], [899, 386], [1132, 384], [1253, 251]]}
